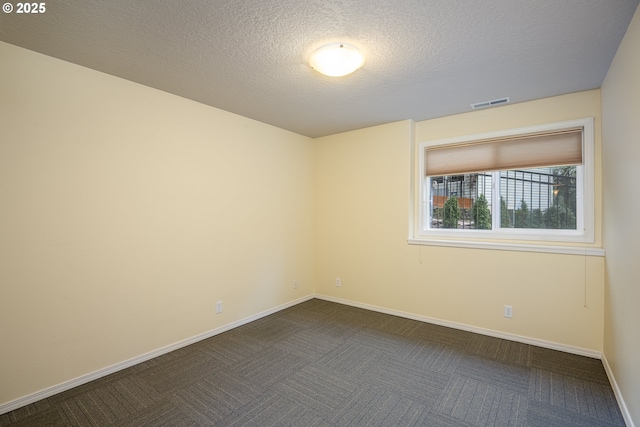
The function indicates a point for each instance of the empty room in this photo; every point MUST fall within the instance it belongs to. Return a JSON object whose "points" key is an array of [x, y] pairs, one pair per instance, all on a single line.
{"points": [[319, 213]]}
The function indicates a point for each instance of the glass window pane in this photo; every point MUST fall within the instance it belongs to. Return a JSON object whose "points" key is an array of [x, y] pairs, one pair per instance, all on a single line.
{"points": [[543, 198], [461, 201]]}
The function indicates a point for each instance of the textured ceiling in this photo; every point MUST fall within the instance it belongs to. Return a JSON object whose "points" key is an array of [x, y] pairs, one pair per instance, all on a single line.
{"points": [[424, 58]]}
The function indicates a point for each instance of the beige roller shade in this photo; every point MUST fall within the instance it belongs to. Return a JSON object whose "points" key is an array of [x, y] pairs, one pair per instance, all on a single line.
{"points": [[519, 152]]}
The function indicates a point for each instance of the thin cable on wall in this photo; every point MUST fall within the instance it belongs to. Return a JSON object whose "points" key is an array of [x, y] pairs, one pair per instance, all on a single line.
{"points": [[585, 277]]}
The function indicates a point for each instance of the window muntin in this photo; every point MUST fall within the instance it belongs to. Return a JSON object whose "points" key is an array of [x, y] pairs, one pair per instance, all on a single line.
{"points": [[558, 199]]}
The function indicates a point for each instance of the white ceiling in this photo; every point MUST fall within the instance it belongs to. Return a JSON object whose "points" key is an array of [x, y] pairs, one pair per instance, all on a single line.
{"points": [[424, 58]]}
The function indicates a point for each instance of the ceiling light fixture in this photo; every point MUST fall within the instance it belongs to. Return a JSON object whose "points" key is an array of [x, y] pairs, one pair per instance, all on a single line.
{"points": [[336, 59]]}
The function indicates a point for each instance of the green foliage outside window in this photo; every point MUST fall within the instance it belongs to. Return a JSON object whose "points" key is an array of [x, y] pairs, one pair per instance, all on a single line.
{"points": [[565, 183], [505, 219], [536, 219], [523, 219], [480, 213], [451, 212], [559, 217]]}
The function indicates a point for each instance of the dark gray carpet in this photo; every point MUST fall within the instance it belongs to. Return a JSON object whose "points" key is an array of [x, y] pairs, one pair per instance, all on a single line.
{"points": [[326, 364]]}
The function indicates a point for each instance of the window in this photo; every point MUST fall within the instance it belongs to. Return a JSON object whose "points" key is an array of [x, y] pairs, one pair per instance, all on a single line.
{"points": [[531, 183]]}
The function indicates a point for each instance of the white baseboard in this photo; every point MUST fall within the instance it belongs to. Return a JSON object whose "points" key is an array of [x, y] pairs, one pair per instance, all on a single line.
{"points": [[616, 391], [83, 379], [67, 385], [512, 337]]}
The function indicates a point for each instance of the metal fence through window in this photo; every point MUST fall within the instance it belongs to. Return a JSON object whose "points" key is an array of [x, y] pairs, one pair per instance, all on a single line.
{"points": [[528, 197]]}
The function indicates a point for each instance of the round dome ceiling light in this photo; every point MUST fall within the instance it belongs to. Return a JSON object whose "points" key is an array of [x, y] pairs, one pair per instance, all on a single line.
{"points": [[336, 59]]}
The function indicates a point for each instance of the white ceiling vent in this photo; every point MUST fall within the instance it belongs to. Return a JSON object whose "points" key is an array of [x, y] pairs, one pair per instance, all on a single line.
{"points": [[492, 103]]}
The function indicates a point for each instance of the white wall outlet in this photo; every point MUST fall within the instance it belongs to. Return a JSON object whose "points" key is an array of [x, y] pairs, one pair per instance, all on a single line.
{"points": [[218, 307], [508, 311], [295, 284], [338, 282]]}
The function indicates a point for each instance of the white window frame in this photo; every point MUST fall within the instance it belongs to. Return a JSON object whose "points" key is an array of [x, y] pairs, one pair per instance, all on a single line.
{"points": [[528, 239]]}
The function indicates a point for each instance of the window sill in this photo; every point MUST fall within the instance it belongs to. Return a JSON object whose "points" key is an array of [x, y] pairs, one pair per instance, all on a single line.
{"points": [[518, 247]]}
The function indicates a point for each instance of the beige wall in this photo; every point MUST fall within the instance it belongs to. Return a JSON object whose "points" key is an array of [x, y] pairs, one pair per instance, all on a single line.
{"points": [[362, 198], [621, 154], [126, 212]]}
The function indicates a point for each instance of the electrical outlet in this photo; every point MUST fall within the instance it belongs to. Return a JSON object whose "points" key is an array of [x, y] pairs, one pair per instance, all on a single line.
{"points": [[295, 284], [218, 307], [508, 311], [338, 282]]}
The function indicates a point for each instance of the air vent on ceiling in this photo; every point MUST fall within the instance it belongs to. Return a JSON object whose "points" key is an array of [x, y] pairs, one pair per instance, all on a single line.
{"points": [[492, 103]]}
